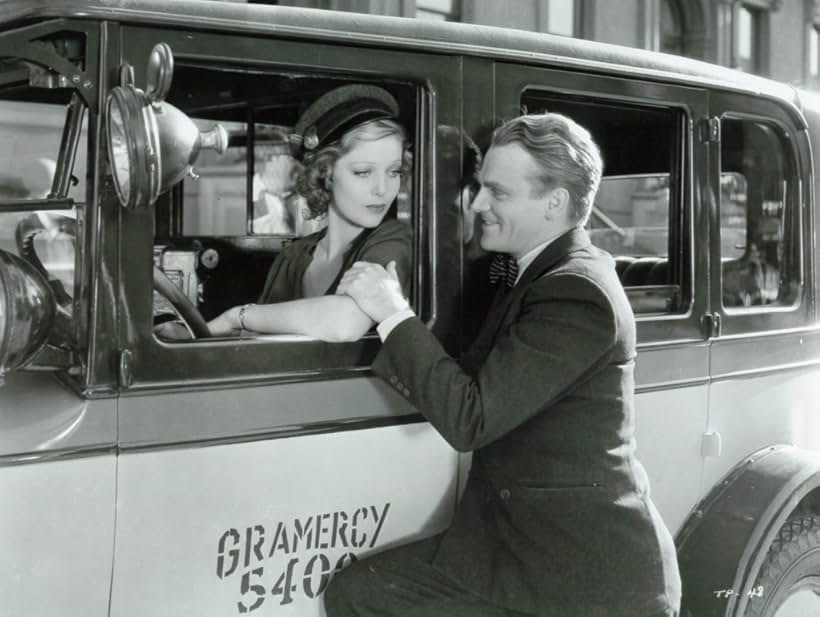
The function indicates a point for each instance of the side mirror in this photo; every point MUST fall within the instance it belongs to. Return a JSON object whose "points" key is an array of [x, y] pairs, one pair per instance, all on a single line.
{"points": [[151, 143], [27, 312]]}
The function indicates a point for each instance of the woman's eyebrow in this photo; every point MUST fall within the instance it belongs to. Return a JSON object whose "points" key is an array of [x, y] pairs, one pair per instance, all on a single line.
{"points": [[369, 162]]}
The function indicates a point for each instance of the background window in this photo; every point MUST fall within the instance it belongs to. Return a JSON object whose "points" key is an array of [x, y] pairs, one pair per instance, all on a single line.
{"points": [[814, 57], [215, 201], [438, 10], [760, 248], [749, 39], [561, 17], [672, 27]]}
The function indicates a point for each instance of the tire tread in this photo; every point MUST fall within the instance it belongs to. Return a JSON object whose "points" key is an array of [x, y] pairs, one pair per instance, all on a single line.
{"points": [[798, 535]]}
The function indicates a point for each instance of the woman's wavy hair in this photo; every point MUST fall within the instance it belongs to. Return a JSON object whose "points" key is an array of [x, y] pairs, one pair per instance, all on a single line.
{"points": [[565, 154], [313, 182]]}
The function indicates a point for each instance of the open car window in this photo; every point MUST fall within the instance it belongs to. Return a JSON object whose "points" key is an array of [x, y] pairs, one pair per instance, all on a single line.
{"points": [[219, 231], [639, 209]]}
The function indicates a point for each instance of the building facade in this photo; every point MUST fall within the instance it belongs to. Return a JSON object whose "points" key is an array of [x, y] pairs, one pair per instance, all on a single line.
{"points": [[774, 38]]}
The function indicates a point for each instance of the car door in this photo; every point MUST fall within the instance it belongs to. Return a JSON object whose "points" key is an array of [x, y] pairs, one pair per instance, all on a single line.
{"points": [[252, 469], [649, 214], [764, 343]]}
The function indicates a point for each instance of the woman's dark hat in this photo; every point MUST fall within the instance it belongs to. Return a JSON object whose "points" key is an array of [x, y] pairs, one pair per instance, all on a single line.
{"points": [[337, 111]]}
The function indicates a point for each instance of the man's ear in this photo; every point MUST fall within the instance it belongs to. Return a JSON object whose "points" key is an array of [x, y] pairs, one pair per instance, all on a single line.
{"points": [[556, 204]]}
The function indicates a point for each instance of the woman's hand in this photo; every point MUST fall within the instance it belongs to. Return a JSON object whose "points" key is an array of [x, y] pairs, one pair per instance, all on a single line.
{"points": [[226, 324], [173, 331]]}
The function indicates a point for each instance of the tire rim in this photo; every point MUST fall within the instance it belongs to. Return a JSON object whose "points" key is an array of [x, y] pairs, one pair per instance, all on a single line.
{"points": [[803, 599]]}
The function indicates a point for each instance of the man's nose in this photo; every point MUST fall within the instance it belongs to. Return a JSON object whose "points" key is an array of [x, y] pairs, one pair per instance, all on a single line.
{"points": [[479, 202]]}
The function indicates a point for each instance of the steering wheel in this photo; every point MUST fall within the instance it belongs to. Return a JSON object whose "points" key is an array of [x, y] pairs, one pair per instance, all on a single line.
{"points": [[190, 314]]}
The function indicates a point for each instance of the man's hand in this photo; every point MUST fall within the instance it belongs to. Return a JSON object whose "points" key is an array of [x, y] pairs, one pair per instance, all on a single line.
{"points": [[376, 290]]}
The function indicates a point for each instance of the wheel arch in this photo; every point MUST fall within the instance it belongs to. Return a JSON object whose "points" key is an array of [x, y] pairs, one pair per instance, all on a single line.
{"points": [[725, 539]]}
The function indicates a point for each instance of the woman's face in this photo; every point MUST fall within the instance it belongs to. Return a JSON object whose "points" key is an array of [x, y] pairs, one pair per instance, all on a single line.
{"points": [[366, 180]]}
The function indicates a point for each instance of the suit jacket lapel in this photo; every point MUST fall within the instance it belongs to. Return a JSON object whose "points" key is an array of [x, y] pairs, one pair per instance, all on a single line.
{"points": [[573, 240], [499, 313], [474, 357]]}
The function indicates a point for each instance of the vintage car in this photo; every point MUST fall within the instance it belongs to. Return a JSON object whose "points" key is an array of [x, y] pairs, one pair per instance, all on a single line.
{"points": [[146, 173]]}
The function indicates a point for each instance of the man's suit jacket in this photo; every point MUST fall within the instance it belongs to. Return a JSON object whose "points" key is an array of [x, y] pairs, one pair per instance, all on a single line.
{"points": [[556, 517]]}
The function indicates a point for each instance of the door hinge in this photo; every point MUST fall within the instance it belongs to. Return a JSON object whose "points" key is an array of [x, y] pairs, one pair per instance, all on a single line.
{"points": [[125, 368], [710, 130], [710, 446], [710, 325]]}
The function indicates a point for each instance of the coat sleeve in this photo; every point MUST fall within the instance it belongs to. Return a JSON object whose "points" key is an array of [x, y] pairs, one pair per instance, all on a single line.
{"points": [[565, 330], [391, 241]]}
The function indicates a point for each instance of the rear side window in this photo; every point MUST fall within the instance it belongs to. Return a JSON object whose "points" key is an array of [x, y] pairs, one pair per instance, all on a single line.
{"points": [[638, 211], [759, 232]]}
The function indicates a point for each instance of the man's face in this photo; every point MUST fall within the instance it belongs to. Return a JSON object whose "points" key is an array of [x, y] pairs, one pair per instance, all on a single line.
{"points": [[510, 205]]}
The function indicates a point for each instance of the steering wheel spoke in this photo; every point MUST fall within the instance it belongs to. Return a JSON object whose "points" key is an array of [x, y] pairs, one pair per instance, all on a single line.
{"points": [[187, 311]]}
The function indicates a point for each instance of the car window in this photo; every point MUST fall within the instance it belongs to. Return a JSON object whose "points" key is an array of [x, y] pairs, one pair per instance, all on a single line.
{"points": [[220, 231], [639, 207], [31, 131], [760, 245]]}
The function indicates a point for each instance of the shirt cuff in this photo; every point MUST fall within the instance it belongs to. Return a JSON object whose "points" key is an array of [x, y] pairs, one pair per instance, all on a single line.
{"points": [[386, 327]]}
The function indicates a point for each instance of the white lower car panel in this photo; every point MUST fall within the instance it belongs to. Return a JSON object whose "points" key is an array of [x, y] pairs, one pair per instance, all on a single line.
{"points": [[669, 429], [57, 534], [261, 527]]}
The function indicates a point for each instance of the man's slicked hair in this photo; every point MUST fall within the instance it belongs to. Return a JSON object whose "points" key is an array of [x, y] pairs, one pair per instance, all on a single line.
{"points": [[564, 152]]}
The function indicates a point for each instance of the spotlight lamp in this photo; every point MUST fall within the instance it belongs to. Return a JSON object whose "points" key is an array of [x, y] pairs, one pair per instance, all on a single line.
{"points": [[152, 145]]}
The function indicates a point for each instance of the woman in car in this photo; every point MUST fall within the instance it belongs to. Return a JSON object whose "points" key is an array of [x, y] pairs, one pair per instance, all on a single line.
{"points": [[354, 153]]}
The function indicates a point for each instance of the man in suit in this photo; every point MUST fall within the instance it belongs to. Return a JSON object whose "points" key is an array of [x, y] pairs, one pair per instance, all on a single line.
{"points": [[556, 518]]}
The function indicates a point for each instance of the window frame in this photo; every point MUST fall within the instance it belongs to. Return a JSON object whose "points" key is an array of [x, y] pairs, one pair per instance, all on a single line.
{"points": [[88, 361], [155, 363], [512, 84], [738, 322]]}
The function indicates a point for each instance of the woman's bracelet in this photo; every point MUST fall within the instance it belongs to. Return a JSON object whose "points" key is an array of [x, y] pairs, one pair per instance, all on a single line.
{"points": [[241, 316]]}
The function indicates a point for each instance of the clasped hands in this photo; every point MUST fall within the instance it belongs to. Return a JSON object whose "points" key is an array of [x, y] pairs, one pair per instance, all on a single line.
{"points": [[376, 290]]}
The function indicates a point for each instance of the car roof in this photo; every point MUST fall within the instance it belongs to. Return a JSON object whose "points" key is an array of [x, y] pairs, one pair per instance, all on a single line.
{"points": [[442, 37]]}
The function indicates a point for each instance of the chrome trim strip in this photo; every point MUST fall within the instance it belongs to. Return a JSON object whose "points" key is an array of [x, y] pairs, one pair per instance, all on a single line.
{"points": [[50, 456], [672, 385], [283, 432], [767, 370], [271, 379]]}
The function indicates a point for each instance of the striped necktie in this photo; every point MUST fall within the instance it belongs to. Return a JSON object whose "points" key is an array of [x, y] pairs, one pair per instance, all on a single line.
{"points": [[503, 268]]}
